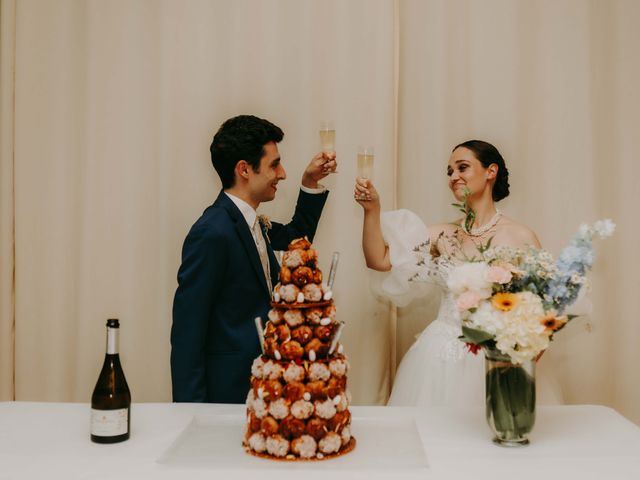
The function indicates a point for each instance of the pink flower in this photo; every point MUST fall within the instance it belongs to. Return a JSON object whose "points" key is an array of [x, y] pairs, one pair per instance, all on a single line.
{"points": [[467, 300], [497, 274]]}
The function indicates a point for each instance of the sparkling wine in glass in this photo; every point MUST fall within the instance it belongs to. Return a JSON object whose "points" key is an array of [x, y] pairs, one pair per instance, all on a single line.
{"points": [[328, 137], [365, 162]]}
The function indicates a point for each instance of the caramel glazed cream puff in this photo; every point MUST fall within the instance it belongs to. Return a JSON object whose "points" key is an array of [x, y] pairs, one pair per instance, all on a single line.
{"points": [[298, 404]]}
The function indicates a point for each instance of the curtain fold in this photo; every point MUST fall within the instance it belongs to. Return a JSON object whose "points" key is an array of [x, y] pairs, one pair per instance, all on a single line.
{"points": [[7, 217], [116, 104]]}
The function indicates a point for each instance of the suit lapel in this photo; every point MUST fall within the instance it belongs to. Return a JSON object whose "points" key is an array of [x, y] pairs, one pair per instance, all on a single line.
{"points": [[246, 239]]}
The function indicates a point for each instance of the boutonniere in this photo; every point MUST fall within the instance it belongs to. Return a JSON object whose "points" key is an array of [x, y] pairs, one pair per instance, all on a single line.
{"points": [[265, 224]]}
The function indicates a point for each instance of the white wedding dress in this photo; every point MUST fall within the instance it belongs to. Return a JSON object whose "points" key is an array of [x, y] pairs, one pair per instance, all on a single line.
{"points": [[437, 369]]}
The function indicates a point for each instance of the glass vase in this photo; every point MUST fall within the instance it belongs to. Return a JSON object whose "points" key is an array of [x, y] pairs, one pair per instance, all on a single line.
{"points": [[510, 391]]}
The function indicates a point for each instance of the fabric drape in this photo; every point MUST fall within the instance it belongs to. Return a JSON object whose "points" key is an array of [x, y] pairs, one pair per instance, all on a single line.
{"points": [[7, 217], [108, 110]]}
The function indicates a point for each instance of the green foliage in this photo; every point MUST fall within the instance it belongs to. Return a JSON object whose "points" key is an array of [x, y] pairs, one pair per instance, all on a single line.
{"points": [[469, 220], [476, 337], [511, 400], [469, 213]]}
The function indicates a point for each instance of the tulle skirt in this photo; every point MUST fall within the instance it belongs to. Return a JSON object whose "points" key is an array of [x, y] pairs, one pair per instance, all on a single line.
{"points": [[438, 370]]}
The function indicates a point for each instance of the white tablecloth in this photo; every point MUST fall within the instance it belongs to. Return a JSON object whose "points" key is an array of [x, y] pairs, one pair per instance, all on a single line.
{"points": [[51, 440]]}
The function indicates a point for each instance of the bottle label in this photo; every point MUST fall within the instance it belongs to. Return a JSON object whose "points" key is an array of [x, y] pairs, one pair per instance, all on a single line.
{"points": [[109, 423]]}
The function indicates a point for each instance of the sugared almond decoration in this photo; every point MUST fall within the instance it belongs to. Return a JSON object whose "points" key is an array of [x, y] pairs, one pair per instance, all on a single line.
{"points": [[325, 321], [300, 298], [312, 355]]}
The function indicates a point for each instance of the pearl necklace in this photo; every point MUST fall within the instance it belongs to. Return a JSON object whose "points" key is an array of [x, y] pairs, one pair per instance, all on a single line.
{"points": [[478, 232]]}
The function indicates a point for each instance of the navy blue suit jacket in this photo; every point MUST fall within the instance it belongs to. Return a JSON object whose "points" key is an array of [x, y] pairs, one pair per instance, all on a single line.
{"points": [[221, 289]]}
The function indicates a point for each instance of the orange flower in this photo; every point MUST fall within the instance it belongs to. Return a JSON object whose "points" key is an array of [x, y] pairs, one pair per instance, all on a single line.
{"points": [[504, 301], [552, 322]]}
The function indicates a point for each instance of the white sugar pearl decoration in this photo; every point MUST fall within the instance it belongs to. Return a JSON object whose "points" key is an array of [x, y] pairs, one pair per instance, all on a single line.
{"points": [[312, 355], [276, 297], [261, 393], [328, 295], [336, 399], [276, 354], [325, 321], [300, 298], [306, 396]]}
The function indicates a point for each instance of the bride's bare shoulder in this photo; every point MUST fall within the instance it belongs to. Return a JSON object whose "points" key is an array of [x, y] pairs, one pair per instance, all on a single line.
{"points": [[517, 234], [440, 229]]}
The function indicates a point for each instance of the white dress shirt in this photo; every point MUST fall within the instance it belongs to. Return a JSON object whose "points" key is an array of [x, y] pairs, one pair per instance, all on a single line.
{"points": [[250, 216]]}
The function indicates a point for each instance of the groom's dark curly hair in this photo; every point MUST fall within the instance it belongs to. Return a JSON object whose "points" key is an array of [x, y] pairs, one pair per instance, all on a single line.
{"points": [[241, 138], [488, 154]]}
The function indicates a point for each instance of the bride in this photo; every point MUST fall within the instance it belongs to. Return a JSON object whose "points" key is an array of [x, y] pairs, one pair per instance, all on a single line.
{"points": [[438, 369]]}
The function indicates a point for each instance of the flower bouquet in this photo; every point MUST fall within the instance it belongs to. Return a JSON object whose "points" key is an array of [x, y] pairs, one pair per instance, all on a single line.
{"points": [[512, 301]]}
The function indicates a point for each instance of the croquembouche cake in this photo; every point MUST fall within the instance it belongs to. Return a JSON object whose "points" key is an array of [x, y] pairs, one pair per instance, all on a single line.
{"points": [[298, 404]]}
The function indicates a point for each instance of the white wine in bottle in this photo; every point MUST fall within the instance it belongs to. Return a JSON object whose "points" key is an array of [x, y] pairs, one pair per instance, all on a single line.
{"points": [[111, 399]]}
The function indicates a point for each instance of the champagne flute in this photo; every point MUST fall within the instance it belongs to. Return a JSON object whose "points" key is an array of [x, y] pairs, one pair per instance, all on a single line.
{"points": [[328, 138], [365, 164]]}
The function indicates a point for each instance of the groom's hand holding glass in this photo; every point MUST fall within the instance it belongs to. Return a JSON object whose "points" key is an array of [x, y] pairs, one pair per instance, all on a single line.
{"points": [[328, 141], [320, 166]]}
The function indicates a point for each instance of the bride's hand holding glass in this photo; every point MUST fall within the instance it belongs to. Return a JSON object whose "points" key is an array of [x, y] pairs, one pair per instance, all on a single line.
{"points": [[365, 194]]}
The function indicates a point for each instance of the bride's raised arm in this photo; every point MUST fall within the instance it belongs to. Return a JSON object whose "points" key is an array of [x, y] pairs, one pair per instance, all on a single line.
{"points": [[376, 252], [389, 242]]}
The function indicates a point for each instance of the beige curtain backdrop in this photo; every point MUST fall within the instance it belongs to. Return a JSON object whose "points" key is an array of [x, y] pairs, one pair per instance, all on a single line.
{"points": [[7, 49], [116, 103], [554, 86]]}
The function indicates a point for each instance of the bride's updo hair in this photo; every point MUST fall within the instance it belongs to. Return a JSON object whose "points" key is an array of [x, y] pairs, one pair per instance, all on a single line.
{"points": [[488, 154]]}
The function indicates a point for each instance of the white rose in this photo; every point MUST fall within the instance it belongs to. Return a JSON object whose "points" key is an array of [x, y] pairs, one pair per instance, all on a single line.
{"points": [[470, 276], [522, 336], [486, 318]]}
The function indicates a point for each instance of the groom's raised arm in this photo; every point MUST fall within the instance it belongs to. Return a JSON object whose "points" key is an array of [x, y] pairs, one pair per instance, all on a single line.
{"points": [[304, 222], [311, 200]]}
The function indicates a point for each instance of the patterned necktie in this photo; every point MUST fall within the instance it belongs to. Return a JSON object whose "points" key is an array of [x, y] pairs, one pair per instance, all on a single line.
{"points": [[262, 251]]}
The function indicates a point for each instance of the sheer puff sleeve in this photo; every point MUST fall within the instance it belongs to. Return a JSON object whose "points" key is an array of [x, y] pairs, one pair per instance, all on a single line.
{"points": [[408, 240]]}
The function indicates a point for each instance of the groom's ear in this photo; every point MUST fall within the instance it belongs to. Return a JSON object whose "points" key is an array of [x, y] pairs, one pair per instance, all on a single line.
{"points": [[242, 169]]}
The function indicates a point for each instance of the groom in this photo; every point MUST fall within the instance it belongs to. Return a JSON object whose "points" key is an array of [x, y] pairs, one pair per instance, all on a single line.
{"points": [[228, 266]]}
